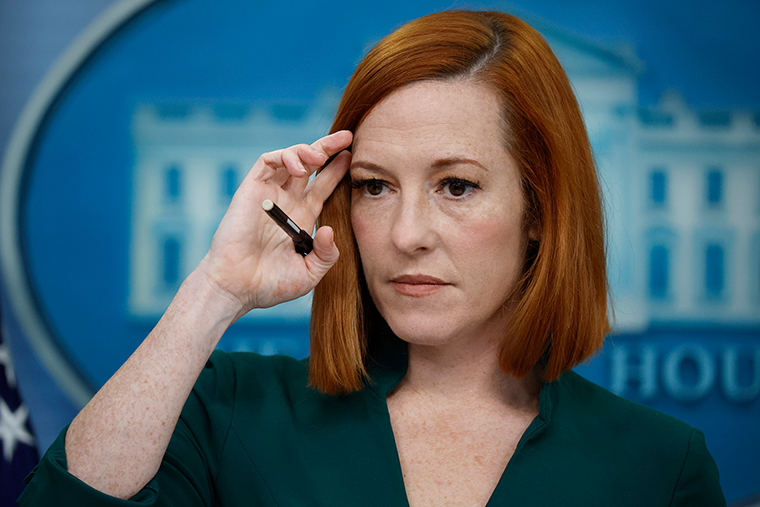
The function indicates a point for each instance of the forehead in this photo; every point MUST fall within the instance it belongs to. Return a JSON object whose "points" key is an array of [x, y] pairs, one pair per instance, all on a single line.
{"points": [[452, 116]]}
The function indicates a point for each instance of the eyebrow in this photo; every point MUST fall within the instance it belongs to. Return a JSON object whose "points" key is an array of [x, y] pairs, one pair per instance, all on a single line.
{"points": [[370, 166], [439, 164], [452, 161]]}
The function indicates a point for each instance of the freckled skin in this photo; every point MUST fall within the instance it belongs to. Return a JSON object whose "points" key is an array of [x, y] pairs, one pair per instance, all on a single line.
{"points": [[456, 417], [475, 242], [117, 441]]}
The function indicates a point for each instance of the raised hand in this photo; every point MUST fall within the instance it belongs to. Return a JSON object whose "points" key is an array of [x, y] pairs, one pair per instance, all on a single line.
{"points": [[251, 263], [251, 259]]}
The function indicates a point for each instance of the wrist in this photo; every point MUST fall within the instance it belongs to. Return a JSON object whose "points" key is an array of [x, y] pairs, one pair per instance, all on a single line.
{"points": [[214, 301]]}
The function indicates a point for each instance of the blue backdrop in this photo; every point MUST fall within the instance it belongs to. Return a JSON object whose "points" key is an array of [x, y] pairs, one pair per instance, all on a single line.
{"points": [[81, 173]]}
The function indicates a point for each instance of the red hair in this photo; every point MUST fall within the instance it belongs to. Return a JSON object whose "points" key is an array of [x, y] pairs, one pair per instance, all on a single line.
{"points": [[560, 313]]}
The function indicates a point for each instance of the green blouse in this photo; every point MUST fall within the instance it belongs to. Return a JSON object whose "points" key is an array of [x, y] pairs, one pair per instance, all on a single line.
{"points": [[253, 434]]}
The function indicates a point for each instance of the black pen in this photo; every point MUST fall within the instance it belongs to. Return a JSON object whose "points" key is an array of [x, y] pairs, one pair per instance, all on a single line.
{"points": [[301, 238]]}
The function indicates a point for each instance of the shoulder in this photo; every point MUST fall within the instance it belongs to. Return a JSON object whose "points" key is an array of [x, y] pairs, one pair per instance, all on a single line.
{"points": [[227, 376], [638, 443], [610, 421], [593, 405], [234, 390]]}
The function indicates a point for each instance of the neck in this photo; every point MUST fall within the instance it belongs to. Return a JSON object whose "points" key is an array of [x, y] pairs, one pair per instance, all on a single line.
{"points": [[467, 374]]}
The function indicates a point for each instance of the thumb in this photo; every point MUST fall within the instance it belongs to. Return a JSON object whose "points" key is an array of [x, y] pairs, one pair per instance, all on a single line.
{"points": [[324, 255]]}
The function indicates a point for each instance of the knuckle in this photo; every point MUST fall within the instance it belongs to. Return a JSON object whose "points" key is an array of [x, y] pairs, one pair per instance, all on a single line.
{"points": [[271, 158]]}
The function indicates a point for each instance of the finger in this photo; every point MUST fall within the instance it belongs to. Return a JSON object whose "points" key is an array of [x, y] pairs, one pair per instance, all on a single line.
{"points": [[291, 166], [273, 162], [324, 255], [299, 161], [301, 157], [325, 182], [324, 148], [270, 168], [334, 143], [276, 171]]}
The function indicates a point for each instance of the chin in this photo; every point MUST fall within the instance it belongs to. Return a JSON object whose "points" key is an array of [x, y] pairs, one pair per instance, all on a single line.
{"points": [[424, 327], [423, 330]]}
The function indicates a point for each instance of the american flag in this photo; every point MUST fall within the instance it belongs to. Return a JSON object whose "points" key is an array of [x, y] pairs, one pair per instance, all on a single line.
{"points": [[18, 453]]}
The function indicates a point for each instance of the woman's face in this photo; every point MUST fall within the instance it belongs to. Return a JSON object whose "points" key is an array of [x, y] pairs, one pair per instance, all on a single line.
{"points": [[437, 211]]}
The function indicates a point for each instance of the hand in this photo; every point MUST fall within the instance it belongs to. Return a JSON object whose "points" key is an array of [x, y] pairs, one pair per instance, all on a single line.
{"points": [[251, 259]]}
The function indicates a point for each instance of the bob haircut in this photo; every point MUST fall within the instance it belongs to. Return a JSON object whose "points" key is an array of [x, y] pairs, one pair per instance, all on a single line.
{"points": [[560, 303]]}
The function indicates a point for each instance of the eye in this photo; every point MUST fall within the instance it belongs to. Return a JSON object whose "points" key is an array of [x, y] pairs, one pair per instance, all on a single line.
{"points": [[372, 186], [457, 187]]}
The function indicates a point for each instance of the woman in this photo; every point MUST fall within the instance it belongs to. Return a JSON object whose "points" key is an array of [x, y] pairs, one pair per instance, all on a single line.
{"points": [[470, 278]]}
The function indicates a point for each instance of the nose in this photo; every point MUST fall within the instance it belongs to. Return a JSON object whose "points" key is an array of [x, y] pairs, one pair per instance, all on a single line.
{"points": [[413, 228]]}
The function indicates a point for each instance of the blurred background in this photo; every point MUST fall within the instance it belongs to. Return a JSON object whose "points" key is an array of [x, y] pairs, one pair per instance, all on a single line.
{"points": [[125, 127]]}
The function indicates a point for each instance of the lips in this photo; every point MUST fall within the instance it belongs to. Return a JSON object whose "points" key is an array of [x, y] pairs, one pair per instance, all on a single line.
{"points": [[418, 285]]}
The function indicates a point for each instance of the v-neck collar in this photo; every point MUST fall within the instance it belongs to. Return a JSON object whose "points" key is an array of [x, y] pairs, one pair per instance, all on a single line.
{"points": [[389, 363]]}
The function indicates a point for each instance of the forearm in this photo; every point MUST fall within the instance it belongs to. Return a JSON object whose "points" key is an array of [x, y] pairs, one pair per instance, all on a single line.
{"points": [[117, 442]]}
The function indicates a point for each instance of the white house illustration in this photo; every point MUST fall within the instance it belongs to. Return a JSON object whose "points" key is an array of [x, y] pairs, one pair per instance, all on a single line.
{"points": [[189, 160], [682, 189]]}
